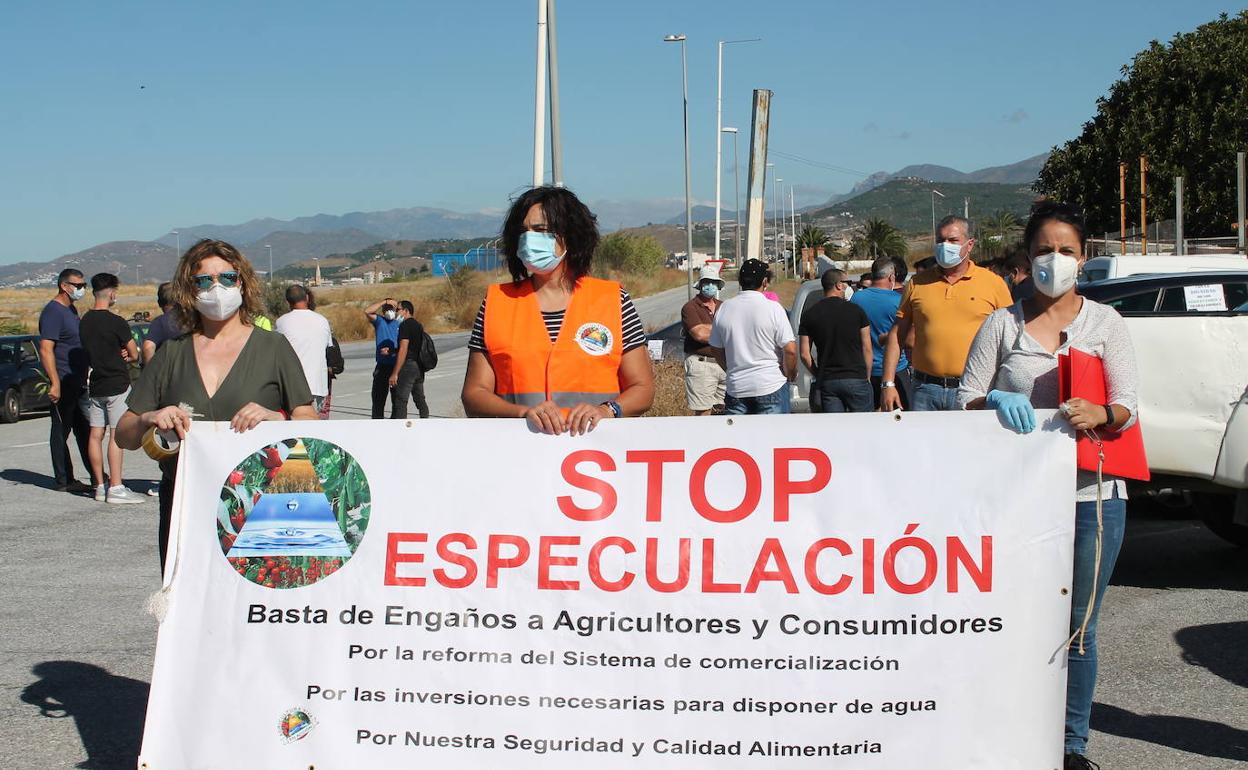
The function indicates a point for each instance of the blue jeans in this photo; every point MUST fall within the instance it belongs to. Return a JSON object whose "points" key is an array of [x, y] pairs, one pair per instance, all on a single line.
{"points": [[1081, 669], [930, 397], [768, 403], [846, 395]]}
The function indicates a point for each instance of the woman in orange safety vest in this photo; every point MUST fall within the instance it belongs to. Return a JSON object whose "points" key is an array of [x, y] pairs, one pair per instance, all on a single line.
{"points": [[556, 346]]}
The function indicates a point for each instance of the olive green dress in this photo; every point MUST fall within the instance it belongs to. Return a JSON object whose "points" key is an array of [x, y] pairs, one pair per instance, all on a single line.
{"points": [[266, 372]]}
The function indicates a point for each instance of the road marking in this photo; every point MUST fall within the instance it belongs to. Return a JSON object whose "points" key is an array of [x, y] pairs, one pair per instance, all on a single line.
{"points": [[25, 446]]}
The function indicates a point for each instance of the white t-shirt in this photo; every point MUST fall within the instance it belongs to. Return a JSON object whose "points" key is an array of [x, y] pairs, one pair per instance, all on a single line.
{"points": [[752, 330], [309, 335]]}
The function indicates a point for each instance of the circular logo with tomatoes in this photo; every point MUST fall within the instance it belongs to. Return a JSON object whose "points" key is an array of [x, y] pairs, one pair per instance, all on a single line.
{"points": [[293, 513]]}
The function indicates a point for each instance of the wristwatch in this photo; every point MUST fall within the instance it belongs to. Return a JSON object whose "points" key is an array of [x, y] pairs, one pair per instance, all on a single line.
{"points": [[888, 384], [616, 409]]}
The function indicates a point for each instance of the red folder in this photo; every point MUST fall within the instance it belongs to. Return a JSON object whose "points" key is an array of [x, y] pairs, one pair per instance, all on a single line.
{"points": [[1081, 375]]}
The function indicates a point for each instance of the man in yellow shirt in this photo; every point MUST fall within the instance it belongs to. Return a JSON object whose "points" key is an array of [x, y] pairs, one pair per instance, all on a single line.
{"points": [[945, 307]]}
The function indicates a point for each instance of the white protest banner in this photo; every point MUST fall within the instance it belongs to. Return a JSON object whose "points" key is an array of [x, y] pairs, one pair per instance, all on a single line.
{"points": [[834, 590]]}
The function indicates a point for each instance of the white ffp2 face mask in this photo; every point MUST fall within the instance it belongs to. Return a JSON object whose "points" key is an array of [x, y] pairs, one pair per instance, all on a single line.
{"points": [[219, 302], [1054, 274]]}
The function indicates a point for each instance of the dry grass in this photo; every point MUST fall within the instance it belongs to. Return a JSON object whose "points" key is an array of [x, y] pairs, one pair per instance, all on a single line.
{"points": [[669, 391], [438, 308], [22, 306]]}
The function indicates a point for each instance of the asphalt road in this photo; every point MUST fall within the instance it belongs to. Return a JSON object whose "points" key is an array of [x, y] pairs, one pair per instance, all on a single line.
{"points": [[76, 645]]}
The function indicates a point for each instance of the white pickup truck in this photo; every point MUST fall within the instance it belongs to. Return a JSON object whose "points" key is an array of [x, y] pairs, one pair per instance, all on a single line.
{"points": [[1190, 332]]}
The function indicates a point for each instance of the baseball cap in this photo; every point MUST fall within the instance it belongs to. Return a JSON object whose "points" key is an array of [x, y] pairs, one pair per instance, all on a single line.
{"points": [[754, 270]]}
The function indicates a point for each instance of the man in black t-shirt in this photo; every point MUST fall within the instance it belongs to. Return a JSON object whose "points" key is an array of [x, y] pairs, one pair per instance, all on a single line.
{"points": [[841, 334], [407, 379], [110, 349]]}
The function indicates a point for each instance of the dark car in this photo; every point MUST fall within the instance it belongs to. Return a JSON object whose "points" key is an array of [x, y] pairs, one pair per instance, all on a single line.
{"points": [[23, 385]]}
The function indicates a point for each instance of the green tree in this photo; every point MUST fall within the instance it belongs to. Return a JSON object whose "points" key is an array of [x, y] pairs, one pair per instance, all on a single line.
{"points": [[997, 234], [1183, 105], [878, 238], [629, 253], [812, 237]]}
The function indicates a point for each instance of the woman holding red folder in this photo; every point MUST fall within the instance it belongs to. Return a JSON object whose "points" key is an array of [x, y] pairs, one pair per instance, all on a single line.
{"points": [[1013, 368]]}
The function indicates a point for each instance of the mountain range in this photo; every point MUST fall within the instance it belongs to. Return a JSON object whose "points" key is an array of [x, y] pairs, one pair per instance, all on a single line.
{"points": [[1022, 172], [325, 234]]}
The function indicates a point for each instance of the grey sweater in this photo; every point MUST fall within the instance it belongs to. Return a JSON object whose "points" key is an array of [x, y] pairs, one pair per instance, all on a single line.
{"points": [[1005, 357]]}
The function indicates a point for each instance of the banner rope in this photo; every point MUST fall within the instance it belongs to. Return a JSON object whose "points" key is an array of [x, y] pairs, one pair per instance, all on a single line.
{"points": [[1082, 631]]}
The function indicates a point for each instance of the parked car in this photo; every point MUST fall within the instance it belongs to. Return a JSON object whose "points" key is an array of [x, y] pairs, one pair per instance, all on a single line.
{"points": [[23, 385], [1190, 332], [1125, 265]]}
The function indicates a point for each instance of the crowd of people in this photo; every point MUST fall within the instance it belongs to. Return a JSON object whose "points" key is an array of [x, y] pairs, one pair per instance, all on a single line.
{"points": [[565, 350]]}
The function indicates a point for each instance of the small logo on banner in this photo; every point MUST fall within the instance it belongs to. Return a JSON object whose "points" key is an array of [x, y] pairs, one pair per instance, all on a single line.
{"points": [[295, 725], [594, 338]]}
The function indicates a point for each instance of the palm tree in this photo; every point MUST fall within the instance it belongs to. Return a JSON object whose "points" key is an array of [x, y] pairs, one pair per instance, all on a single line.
{"points": [[878, 238], [997, 234], [812, 237]]}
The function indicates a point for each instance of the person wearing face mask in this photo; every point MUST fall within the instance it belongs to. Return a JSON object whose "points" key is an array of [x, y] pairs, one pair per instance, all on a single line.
{"points": [[704, 377], [110, 350], [554, 345], [880, 302], [1012, 368], [384, 316], [223, 369], [837, 334], [1018, 276], [65, 366], [945, 307]]}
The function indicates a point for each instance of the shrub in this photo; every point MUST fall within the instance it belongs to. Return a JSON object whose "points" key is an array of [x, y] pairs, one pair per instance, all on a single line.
{"points": [[460, 296], [629, 253], [12, 326]]}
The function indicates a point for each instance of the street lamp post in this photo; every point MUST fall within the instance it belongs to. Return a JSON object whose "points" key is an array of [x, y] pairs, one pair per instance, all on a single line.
{"points": [[935, 192], [775, 218], [684, 79], [137, 268], [270, 248], [736, 188], [719, 129], [178, 248]]}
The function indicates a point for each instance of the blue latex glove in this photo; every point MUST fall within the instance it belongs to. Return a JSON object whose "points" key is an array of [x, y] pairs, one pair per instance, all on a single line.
{"points": [[1014, 409]]}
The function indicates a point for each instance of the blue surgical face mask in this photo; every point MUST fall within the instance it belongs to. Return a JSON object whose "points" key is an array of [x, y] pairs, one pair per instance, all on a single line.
{"points": [[948, 254], [709, 290], [537, 252]]}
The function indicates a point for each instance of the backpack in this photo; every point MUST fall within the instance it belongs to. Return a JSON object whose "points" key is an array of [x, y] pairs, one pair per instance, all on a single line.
{"points": [[427, 358], [333, 357]]}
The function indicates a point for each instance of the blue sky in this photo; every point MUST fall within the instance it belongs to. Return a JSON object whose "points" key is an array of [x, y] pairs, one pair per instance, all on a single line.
{"points": [[125, 119]]}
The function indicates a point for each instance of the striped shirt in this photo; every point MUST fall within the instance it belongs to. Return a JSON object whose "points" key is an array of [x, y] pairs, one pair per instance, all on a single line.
{"points": [[634, 332]]}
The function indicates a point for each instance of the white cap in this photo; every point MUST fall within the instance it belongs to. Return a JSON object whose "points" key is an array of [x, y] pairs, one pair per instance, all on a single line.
{"points": [[710, 272]]}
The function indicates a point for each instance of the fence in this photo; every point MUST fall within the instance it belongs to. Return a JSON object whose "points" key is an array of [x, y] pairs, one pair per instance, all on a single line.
{"points": [[480, 258], [1161, 240]]}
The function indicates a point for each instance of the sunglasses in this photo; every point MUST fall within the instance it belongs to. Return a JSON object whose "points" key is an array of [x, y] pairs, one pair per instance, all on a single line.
{"points": [[77, 285], [204, 282]]}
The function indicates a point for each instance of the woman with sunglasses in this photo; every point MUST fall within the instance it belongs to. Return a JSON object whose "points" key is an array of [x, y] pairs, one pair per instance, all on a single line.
{"points": [[224, 369]]}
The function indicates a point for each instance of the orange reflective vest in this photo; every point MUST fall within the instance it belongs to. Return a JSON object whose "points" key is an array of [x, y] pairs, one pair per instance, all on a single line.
{"points": [[583, 363]]}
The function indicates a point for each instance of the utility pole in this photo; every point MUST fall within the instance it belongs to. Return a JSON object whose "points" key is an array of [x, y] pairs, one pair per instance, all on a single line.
{"points": [[552, 59], [1243, 200], [1143, 204], [719, 131], [1122, 208], [539, 100], [1178, 216]]}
